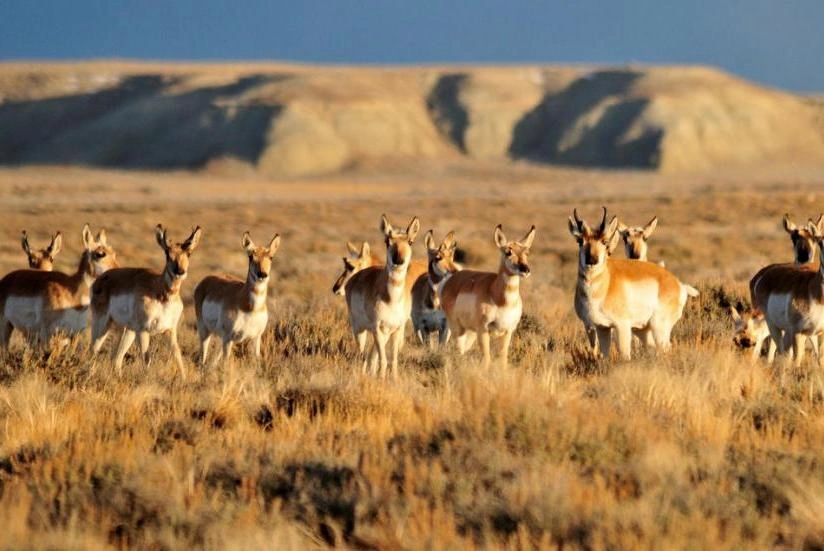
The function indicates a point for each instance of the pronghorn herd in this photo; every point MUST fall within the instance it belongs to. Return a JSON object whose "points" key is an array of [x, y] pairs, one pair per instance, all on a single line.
{"points": [[614, 297]]}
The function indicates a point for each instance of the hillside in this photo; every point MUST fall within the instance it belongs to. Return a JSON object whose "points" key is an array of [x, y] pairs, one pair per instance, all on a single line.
{"points": [[290, 120]]}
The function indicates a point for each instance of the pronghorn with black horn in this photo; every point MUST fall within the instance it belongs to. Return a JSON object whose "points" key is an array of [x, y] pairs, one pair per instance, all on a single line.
{"points": [[233, 309], [623, 295], [41, 304], [427, 315], [143, 301], [356, 260], [751, 326], [486, 304], [42, 259], [378, 298]]}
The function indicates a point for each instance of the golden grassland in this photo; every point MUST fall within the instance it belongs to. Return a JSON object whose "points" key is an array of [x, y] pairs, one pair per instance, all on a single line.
{"points": [[697, 448]]}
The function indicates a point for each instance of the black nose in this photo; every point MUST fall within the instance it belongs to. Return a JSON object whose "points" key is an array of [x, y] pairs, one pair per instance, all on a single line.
{"points": [[264, 275], [591, 260], [524, 269], [397, 258], [179, 271], [803, 256]]}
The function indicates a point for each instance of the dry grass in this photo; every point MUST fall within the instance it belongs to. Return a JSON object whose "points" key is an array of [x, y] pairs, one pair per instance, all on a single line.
{"points": [[697, 449]]}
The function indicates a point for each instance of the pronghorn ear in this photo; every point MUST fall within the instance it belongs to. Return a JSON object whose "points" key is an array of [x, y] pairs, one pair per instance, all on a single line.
{"points": [[352, 249], [650, 227], [365, 251], [88, 239], [55, 245], [24, 242], [192, 241], [611, 228], [412, 229], [101, 237], [160, 235], [613, 242], [574, 229], [274, 244], [500, 238], [736, 316], [449, 241], [815, 228], [528, 238], [386, 227], [247, 242], [789, 227], [429, 241]]}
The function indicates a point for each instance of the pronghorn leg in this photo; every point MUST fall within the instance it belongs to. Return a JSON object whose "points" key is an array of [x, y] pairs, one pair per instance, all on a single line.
{"points": [[422, 335], [661, 334], [771, 349], [100, 330], [6, 329], [778, 341], [126, 340], [176, 352], [592, 337], [204, 349], [799, 345], [444, 333], [360, 338], [205, 338], [381, 339], [227, 351], [143, 339], [645, 337], [256, 347], [604, 340], [395, 340], [506, 340], [484, 338], [624, 336]]}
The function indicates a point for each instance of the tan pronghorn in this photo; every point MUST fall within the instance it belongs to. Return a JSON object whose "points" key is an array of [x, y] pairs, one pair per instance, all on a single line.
{"points": [[143, 301], [624, 295], [804, 244], [378, 298], [751, 331], [635, 239], [791, 296], [42, 259], [427, 315], [487, 304], [233, 309], [41, 304], [357, 260]]}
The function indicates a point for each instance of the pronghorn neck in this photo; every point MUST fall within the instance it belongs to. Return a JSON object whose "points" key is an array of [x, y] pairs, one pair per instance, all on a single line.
{"points": [[396, 280], [593, 277], [254, 291], [171, 284], [507, 286], [84, 276]]}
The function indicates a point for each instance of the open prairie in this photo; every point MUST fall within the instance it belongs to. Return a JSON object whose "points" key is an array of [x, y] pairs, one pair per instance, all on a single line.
{"points": [[697, 448]]}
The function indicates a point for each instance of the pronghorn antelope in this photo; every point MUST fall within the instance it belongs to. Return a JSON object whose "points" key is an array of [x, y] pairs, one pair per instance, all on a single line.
{"points": [[792, 299], [378, 298], [804, 244], [41, 304], [357, 260], [751, 331], [625, 295], [42, 259], [143, 301], [487, 304], [635, 239], [233, 309], [427, 315]]}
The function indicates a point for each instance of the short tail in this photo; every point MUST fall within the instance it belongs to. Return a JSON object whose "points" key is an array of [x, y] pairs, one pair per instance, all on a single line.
{"points": [[691, 291]]}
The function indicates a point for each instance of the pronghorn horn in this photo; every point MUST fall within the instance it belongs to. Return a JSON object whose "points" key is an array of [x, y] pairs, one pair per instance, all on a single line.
{"points": [[25, 242], [603, 225], [577, 219]]}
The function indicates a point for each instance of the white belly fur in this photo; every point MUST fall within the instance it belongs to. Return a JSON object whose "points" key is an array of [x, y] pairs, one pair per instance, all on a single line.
{"points": [[145, 315], [236, 325]]}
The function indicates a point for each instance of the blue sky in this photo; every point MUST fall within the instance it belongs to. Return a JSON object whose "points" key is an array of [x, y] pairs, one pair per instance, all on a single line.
{"points": [[776, 42]]}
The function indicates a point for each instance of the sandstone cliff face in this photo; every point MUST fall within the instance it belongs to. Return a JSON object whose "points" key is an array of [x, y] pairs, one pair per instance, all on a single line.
{"points": [[284, 120]]}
